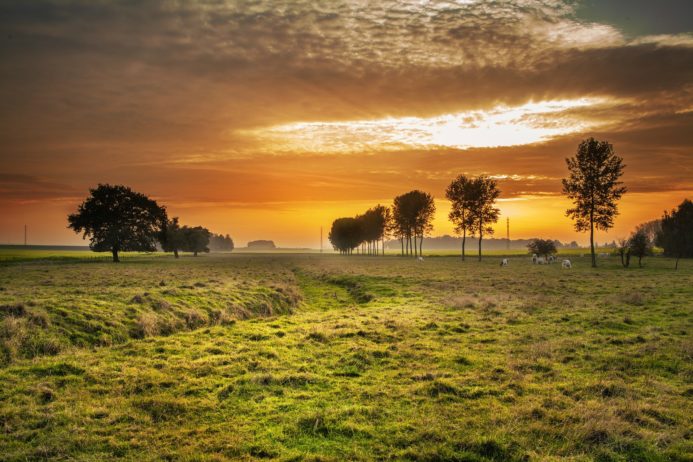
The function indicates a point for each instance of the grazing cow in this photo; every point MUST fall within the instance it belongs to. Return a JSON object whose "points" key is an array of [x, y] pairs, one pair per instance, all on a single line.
{"points": [[534, 258], [541, 261], [504, 262], [552, 259], [420, 258], [566, 264]]}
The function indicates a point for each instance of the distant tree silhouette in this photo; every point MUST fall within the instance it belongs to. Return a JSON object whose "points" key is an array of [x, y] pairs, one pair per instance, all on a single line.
{"points": [[459, 193], [639, 245], [116, 219], [594, 187], [676, 234], [373, 227], [412, 214], [542, 247], [220, 243], [196, 239], [483, 194], [172, 238], [346, 234], [650, 228], [623, 249]]}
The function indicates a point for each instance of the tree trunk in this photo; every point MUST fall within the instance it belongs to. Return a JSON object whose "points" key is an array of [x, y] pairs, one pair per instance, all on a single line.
{"points": [[115, 256], [676, 266], [194, 254], [594, 256], [175, 253], [464, 239], [421, 246], [481, 236], [639, 262], [401, 240]]}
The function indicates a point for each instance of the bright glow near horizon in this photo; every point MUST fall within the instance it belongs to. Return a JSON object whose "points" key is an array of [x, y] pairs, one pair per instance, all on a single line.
{"points": [[501, 126]]}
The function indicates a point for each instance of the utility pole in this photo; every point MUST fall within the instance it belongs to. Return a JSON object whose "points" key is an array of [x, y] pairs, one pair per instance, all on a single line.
{"points": [[507, 231]]}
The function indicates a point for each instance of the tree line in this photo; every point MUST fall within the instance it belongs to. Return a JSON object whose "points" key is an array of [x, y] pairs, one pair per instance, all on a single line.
{"points": [[593, 184], [410, 218], [117, 219]]}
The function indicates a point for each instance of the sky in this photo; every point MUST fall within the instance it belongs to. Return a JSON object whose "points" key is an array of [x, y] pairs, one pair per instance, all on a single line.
{"points": [[270, 119]]}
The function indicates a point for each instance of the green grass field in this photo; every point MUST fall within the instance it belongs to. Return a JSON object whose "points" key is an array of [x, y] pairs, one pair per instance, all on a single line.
{"points": [[322, 357]]}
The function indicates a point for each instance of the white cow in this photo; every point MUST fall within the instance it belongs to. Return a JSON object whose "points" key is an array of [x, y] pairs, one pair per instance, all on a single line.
{"points": [[504, 262], [566, 264], [541, 261], [420, 258], [534, 258], [552, 259]]}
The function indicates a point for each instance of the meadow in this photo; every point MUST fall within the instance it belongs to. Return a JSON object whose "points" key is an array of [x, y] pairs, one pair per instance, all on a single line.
{"points": [[323, 357]]}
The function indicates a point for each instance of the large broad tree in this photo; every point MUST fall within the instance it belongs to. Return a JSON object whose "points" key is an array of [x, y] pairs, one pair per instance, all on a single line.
{"points": [[117, 219], [594, 186], [459, 193], [676, 233], [483, 194]]}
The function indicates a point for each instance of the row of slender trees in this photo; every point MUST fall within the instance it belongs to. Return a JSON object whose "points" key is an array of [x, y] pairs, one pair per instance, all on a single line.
{"points": [[593, 184], [410, 218], [117, 219]]}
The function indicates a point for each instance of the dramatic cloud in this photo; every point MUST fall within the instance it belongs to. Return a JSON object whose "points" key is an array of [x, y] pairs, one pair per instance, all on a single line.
{"points": [[258, 103]]}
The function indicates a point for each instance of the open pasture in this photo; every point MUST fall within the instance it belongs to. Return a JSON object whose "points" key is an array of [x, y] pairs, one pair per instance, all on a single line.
{"points": [[310, 357]]}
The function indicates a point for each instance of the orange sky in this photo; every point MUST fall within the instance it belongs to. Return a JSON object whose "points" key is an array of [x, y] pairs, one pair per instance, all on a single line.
{"points": [[267, 120]]}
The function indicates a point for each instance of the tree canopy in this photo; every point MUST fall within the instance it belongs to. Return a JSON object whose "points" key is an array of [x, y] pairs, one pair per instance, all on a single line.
{"points": [[172, 238], [196, 239], [483, 194], [345, 234], [594, 186], [412, 216], [460, 193], [640, 245], [542, 247], [116, 219], [676, 233], [220, 243]]}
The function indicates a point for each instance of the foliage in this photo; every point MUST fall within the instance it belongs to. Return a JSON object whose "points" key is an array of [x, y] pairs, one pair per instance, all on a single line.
{"points": [[460, 194], [115, 218], [345, 234], [172, 238], [220, 243], [412, 215], [594, 187], [651, 229], [640, 245], [483, 194], [196, 239], [676, 234], [542, 247], [175, 238]]}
